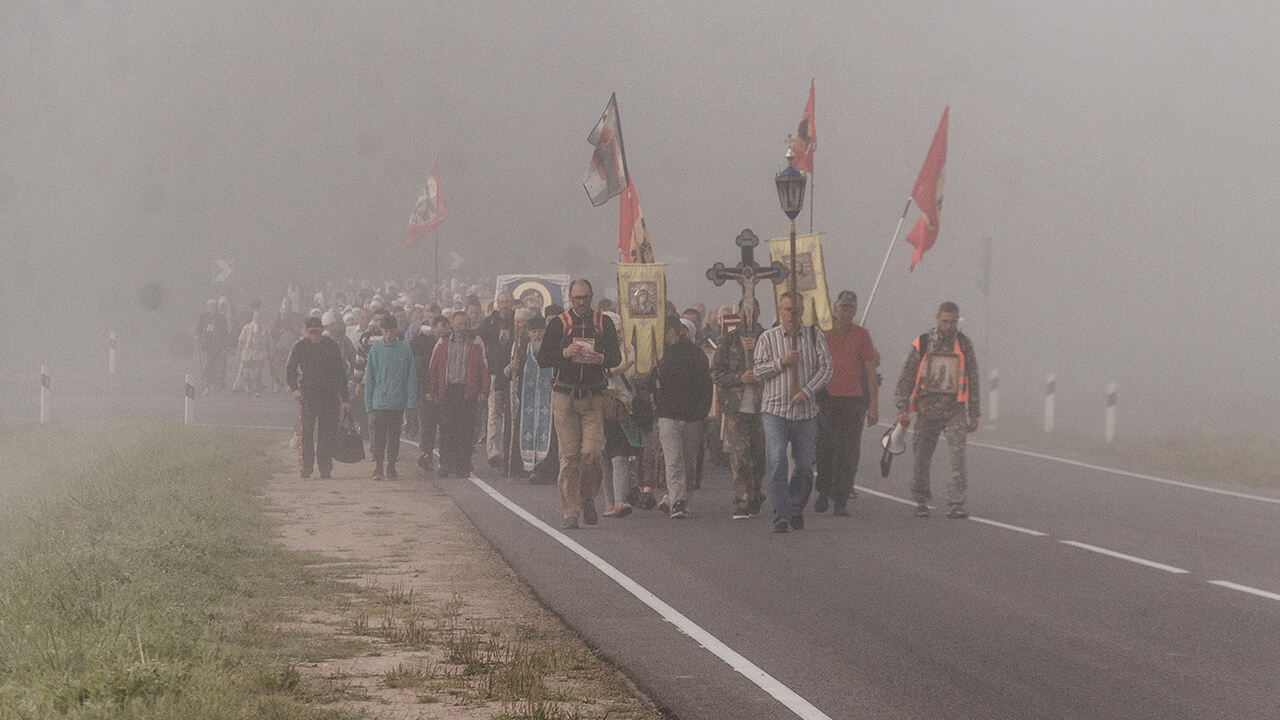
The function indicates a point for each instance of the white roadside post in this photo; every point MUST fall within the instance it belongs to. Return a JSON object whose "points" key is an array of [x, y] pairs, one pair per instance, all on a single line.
{"points": [[1110, 430], [993, 398], [44, 395], [188, 402], [111, 353], [1050, 389]]}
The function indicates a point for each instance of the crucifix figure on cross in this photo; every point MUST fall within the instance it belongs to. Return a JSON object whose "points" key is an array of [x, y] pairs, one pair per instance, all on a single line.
{"points": [[747, 273]]}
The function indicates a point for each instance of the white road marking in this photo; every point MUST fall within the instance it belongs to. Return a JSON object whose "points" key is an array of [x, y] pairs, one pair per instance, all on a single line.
{"points": [[1246, 588], [1122, 556], [763, 680], [1007, 526], [886, 496], [1126, 473]]}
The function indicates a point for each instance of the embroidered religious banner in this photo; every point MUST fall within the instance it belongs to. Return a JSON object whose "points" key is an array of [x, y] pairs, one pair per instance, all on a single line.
{"points": [[531, 400], [811, 278], [535, 292], [642, 299]]}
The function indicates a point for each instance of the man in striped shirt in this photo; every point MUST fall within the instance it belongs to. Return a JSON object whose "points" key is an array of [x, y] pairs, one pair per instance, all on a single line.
{"points": [[790, 412]]}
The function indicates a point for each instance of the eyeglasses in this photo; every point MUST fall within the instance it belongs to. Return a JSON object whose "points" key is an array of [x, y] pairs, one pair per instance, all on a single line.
{"points": [[580, 298]]}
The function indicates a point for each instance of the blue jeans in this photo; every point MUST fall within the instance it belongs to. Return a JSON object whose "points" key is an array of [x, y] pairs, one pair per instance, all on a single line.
{"points": [[789, 499]]}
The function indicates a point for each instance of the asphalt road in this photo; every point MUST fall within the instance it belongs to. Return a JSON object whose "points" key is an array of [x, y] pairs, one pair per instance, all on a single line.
{"points": [[882, 615]]}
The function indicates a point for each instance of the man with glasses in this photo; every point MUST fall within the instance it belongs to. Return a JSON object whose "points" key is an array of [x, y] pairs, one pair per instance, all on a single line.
{"points": [[790, 412], [317, 376], [580, 344]]}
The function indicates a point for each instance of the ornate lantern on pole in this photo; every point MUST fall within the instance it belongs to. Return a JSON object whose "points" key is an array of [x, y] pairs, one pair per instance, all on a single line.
{"points": [[791, 196]]}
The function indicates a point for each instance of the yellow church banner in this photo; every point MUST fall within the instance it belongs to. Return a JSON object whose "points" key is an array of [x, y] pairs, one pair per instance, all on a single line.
{"points": [[811, 277], [642, 302]]}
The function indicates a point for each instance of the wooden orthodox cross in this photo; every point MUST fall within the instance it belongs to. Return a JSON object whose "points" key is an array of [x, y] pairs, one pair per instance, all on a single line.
{"points": [[747, 273]]}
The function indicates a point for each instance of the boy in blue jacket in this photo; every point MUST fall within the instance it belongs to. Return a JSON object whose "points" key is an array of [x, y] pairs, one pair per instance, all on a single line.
{"points": [[390, 387]]}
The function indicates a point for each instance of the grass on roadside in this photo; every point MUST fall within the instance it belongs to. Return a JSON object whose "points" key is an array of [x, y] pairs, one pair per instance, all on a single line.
{"points": [[138, 579], [1225, 458]]}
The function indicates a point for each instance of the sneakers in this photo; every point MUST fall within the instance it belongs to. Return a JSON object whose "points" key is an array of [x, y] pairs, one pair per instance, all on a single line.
{"points": [[611, 511], [741, 513], [646, 501], [680, 509], [958, 512], [922, 510], [589, 515], [665, 506], [797, 522], [781, 526], [570, 523], [821, 504], [391, 473], [624, 509], [377, 474], [839, 510]]}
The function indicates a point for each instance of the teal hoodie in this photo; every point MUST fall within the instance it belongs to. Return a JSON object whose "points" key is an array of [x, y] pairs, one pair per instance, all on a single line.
{"points": [[390, 379]]}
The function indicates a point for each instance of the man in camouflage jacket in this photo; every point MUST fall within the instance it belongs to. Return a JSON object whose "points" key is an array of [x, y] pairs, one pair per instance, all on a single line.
{"points": [[731, 371], [942, 389]]}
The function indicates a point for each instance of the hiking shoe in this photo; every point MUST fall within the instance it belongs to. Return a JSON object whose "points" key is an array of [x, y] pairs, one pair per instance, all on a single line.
{"points": [[570, 523], [391, 473], [665, 506], [624, 509], [781, 526], [679, 509], [922, 510], [797, 522], [958, 512], [741, 513], [821, 504], [839, 510], [589, 512], [646, 500]]}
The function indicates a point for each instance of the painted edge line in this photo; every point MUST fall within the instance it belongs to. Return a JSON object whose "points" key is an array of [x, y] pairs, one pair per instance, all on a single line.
{"points": [[1126, 473], [884, 495], [1246, 589], [1006, 526], [743, 666], [1122, 556]]}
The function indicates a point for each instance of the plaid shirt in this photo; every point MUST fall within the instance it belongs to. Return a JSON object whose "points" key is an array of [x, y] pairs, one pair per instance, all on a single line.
{"points": [[815, 371]]}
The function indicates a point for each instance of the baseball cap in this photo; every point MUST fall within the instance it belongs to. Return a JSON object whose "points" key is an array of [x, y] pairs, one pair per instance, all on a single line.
{"points": [[847, 298]]}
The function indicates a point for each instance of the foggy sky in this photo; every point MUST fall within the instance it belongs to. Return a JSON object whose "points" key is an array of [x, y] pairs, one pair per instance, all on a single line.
{"points": [[1121, 157]]}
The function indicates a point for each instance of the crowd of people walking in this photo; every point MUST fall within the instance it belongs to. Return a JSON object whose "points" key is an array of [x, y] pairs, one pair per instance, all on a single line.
{"points": [[552, 394]]}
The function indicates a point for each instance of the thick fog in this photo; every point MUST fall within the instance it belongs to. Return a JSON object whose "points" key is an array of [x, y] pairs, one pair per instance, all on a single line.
{"points": [[1121, 158]]}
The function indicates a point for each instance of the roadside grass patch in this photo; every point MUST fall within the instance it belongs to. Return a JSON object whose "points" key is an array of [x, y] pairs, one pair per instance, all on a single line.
{"points": [[138, 579]]}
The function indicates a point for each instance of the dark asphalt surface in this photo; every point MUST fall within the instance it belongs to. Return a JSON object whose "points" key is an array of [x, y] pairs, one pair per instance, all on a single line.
{"points": [[882, 615]]}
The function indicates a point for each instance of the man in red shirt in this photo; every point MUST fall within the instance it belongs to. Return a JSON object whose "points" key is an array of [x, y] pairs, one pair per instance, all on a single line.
{"points": [[852, 393]]}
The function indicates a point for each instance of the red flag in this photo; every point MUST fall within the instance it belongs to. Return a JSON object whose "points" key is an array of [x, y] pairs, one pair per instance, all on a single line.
{"points": [[806, 139], [633, 236], [927, 193], [429, 212]]}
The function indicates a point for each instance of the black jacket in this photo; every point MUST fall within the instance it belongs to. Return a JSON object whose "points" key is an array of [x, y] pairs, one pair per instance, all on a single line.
{"points": [[317, 369], [498, 335], [684, 383], [582, 378]]}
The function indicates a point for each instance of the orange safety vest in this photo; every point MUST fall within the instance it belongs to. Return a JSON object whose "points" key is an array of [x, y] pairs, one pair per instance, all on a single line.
{"points": [[962, 383]]}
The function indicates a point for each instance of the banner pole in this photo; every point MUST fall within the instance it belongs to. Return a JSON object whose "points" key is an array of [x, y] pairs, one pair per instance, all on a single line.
{"points": [[813, 186], [884, 264]]}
